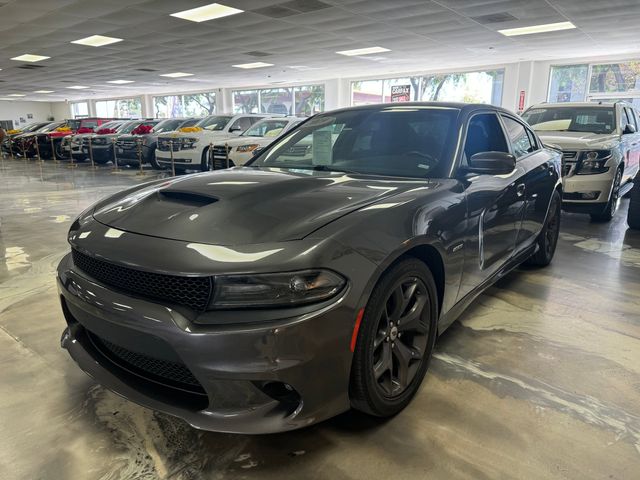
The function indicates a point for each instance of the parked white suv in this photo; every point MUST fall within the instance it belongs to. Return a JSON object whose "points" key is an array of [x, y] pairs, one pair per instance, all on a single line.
{"points": [[238, 151], [190, 148], [600, 151]]}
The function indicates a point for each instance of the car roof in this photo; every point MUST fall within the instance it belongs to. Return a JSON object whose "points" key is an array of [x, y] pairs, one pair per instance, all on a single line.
{"points": [[578, 104], [463, 107]]}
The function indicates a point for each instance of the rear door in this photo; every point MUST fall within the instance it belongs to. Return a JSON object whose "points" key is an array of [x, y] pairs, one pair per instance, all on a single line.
{"points": [[539, 179], [632, 142], [495, 204]]}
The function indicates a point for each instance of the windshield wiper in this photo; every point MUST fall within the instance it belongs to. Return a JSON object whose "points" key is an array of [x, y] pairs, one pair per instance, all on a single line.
{"points": [[327, 168]]}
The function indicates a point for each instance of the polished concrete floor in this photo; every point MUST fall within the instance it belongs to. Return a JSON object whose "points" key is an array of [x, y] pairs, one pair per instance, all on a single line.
{"points": [[540, 378]]}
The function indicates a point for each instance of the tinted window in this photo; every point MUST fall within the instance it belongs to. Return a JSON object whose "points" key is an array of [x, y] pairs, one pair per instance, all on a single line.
{"points": [[520, 141], [484, 134], [392, 141], [571, 119]]}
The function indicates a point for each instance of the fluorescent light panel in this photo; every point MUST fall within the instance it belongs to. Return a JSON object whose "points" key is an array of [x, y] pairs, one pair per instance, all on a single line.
{"points": [[176, 74], [29, 57], [44, 91], [207, 12], [120, 82], [77, 87], [97, 41], [547, 27], [363, 51], [253, 65], [16, 95]]}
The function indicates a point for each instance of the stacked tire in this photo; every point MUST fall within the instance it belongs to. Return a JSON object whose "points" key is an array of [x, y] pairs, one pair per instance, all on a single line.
{"points": [[633, 216]]}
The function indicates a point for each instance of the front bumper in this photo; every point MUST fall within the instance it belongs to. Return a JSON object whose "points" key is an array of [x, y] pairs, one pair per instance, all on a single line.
{"points": [[183, 158], [587, 192], [243, 370]]}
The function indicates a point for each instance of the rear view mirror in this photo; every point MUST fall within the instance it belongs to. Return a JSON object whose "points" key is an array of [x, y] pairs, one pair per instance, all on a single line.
{"points": [[629, 129], [492, 163]]}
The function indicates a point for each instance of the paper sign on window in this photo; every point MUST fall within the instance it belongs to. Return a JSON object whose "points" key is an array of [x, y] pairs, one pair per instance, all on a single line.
{"points": [[322, 147]]}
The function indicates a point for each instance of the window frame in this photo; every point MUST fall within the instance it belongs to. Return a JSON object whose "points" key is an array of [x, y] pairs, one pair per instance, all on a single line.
{"points": [[527, 131], [458, 163]]}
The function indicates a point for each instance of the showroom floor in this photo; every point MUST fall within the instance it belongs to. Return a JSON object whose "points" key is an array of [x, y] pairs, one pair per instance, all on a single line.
{"points": [[539, 379]]}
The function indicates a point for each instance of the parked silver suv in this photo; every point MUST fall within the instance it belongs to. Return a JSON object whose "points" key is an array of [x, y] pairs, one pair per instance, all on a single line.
{"points": [[600, 151]]}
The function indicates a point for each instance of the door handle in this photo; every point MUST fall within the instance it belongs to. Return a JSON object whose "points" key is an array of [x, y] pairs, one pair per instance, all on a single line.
{"points": [[520, 189]]}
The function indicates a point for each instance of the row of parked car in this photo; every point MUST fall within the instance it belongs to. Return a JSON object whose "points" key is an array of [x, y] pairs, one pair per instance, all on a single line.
{"points": [[185, 142]]}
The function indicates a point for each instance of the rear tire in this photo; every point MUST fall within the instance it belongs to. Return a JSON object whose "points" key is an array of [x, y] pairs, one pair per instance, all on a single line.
{"points": [[548, 238], [395, 340], [633, 215], [612, 205]]}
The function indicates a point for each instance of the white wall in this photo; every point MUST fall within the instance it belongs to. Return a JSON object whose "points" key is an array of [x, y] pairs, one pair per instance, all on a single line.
{"points": [[14, 110], [61, 110]]}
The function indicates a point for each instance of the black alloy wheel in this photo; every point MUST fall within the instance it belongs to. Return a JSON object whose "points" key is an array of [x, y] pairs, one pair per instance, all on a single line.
{"points": [[548, 237], [396, 339]]}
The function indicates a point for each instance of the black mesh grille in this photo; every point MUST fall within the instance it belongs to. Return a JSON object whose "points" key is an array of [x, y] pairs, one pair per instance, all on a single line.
{"points": [[162, 371], [192, 292]]}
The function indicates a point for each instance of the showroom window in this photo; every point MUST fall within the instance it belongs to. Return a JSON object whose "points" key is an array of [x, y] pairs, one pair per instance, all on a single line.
{"points": [[193, 105], [481, 87], [121, 108], [80, 109], [303, 100], [568, 83], [608, 82]]}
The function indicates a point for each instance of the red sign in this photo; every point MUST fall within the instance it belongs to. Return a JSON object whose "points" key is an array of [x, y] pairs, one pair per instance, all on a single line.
{"points": [[521, 102], [400, 93]]}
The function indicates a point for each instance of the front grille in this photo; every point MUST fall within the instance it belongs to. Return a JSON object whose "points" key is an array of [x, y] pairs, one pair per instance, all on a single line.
{"points": [[569, 160], [163, 145], [220, 151], [162, 371], [192, 292], [127, 145]]}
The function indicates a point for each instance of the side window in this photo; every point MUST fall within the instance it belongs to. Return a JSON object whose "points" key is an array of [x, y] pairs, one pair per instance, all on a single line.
{"points": [[520, 140], [533, 140], [623, 118], [484, 134], [241, 124]]}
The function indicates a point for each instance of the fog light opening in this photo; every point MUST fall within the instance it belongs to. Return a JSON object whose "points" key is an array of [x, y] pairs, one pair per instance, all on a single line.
{"points": [[284, 393]]}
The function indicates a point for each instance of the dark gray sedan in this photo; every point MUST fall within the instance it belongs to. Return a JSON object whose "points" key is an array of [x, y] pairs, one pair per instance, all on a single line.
{"points": [[268, 297]]}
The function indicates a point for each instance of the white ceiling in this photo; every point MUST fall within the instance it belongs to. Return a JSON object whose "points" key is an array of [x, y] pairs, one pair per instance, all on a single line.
{"points": [[422, 35]]}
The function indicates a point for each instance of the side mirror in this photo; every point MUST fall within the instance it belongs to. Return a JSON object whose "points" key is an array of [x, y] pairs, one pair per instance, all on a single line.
{"points": [[628, 128], [492, 163], [235, 129]]}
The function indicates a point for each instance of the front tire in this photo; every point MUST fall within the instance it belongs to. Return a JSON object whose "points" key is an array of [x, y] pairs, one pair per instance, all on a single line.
{"points": [[206, 163], [614, 199], [548, 238], [152, 160], [396, 339], [633, 215]]}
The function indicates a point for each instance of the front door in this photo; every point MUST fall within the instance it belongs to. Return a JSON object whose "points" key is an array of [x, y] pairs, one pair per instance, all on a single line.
{"points": [[495, 205]]}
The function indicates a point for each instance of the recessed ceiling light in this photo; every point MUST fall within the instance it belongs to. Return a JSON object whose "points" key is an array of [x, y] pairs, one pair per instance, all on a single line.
{"points": [[97, 41], [77, 87], [253, 65], [363, 51], [208, 12], [44, 91], [176, 74], [28, 57], [120, 82], [548, 27], [16, 95], [303, 68]]}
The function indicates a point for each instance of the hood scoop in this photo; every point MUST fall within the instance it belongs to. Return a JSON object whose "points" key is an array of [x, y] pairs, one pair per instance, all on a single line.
{"points": [[187, 198]]}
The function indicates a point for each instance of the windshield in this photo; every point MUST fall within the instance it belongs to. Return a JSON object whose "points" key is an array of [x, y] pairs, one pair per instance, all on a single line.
{"points": [[49, 127], [266, 128], [128, 126], [189, 123], [108, 125], [168, 125], [393, 141], [214, 123], [572, 119]]}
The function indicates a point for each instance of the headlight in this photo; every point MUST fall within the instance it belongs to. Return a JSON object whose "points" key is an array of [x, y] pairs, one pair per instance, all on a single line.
{"points": [[593, 162], [275, 289], [187, 142], [247, 148]]}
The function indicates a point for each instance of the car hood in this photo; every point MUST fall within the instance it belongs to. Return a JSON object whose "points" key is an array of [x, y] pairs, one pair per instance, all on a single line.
{"points": [[242, 140], [203, 134], [244, 205], [578, 140]]}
